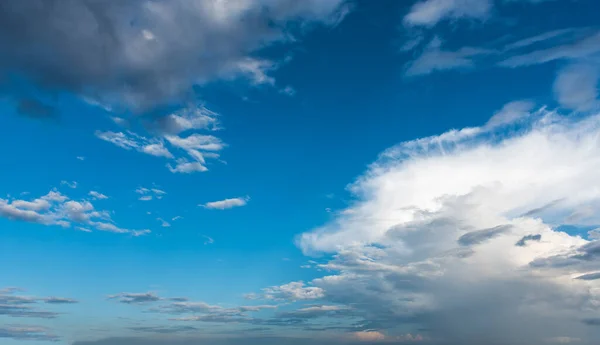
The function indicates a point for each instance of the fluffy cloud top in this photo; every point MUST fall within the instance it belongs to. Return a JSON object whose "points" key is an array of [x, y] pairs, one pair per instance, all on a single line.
{"points": [[226, 203], [460, 234]]}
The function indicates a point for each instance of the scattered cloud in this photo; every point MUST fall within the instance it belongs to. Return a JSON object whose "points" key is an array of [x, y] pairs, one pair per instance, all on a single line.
{"points": [[22, 306], [163, 223], [147, 194], [208, 240], [57, 209], [97, 195], [135, 298], [81, 158], [294, 291], [226, 204], [72, 184]]}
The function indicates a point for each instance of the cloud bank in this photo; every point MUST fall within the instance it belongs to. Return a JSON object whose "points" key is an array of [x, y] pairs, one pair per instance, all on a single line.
{"points": [[459, 234]]}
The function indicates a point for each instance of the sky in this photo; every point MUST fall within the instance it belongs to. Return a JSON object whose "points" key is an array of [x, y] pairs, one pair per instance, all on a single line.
{"points": [[232, 172]]}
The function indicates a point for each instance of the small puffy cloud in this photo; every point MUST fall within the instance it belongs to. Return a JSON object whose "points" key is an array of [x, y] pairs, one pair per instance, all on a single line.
{"points": [[81, 158], [226, 203], [294, 291], [97, 195], [163, 223], [147, 194], [430, 12], [186, 167], [174, 137], [56, 209]]}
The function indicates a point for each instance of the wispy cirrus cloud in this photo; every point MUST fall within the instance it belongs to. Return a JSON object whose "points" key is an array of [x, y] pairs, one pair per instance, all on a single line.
{"points": [[430, 12], [434, 59]]}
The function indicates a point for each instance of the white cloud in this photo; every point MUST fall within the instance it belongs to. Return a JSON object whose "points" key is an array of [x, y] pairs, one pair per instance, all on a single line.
{"points": [[510, 113], [583, 48], [226, 204], [97, 195], [56, 209], [293, 291], [434, 59], [148, 194], [119, 138], [163, 223], [158, 150], [436, 234], [169, 130], [430, 12], [576, 86], [208, 240], [72, 184], [186, 167], [81, 158]]}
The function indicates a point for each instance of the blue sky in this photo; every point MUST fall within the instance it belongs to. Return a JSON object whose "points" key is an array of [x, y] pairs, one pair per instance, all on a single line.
{"points": [[273, 171]]}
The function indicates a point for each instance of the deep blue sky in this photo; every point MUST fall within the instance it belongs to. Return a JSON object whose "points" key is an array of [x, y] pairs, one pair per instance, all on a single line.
{"points": [[286, 156]]}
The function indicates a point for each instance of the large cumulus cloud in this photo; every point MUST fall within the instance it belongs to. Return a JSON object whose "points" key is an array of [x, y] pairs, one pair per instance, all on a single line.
{"points": [[458, 236], [142, 53]]}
